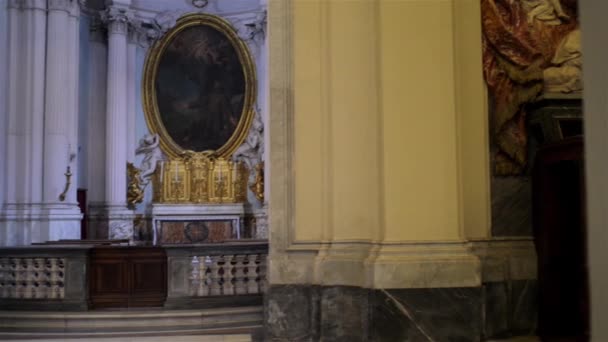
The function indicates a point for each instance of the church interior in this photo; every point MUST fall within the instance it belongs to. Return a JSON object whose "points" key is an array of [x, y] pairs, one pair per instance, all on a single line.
{"points": [[303, 170]]}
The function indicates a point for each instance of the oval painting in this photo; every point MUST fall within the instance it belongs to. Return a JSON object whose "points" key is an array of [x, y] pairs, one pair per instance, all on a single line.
{"points": [[201, 85]]}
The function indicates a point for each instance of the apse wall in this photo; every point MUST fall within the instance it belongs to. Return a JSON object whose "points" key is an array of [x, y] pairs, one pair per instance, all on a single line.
{"points": [[233, 11], [155, 17]]}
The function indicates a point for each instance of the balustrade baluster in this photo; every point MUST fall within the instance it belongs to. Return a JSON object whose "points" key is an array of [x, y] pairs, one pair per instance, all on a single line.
{"points": [[228, 274], [205, 271], [262, 273], [4, 271], [28, 278], [215, 288], [252, 274], [239, 275], [194, 276]]}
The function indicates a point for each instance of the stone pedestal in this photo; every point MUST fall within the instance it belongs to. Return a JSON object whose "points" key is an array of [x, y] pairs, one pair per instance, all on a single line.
{"points": [[24, 224], [120, 223], [231, 213]]}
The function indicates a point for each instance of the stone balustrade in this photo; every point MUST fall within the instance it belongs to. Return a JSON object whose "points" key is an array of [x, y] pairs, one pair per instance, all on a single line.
{"points": [[44, 277], [32, 278], [231, 273], [56, 277], [228, 275]]}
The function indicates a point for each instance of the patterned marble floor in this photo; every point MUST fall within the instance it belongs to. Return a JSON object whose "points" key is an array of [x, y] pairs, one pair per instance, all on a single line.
{"points": [[197, 338]]}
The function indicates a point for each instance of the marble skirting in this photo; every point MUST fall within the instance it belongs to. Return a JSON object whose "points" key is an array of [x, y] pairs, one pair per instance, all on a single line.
{"points": [[342, 313], [510, 308], [511, 206]]}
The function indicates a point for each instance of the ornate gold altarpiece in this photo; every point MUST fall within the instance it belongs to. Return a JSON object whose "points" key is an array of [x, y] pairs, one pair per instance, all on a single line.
{"points": [[200, 180], [203, 185]]}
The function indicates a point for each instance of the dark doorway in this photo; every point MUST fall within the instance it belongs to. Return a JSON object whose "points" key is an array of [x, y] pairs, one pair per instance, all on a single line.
{"points": [[560, 238]]}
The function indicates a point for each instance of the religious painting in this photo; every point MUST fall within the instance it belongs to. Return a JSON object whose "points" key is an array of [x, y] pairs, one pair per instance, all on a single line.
{"points": [[199, 87]]}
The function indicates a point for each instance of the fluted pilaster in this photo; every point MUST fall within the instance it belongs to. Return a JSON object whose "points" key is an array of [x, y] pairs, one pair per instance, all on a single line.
{"points": [[120, 221], [74, 94], [62, 215], [132, 81], [96, 127], [58, 106], [25, 110], [96, 113]]}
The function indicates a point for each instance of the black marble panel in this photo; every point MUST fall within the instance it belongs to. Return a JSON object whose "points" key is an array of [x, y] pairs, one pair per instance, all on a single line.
{"points": [[524, 307], [341, 313], [496, 309], [344, 314], [292, 313], [450, 314], [511, 206], [510, 308]]}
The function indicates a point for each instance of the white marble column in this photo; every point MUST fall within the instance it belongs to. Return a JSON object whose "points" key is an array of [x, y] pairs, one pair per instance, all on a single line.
{"points": [[20, 218], [132, 83], [74, 94], [120, 219], [3, 89], [62, 215], [96, 127]]}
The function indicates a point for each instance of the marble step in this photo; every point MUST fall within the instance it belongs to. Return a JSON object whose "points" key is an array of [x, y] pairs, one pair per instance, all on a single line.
{"points": [[189, 338], [23, 325]]}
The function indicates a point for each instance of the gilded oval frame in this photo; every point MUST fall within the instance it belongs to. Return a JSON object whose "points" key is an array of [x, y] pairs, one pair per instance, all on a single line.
{"points": [[151, 67]]}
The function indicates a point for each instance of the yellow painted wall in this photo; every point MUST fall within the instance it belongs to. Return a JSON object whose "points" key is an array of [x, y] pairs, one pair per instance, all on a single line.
{"points": [[419, 120], [308, 159], [389, 121], [471, 106]]}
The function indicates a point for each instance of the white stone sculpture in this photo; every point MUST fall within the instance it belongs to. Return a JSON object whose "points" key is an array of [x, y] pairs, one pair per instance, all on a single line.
{"points": [[565, 74], [252, 150], [549, 12], [251, 30], [121, 230], [149, 147]]}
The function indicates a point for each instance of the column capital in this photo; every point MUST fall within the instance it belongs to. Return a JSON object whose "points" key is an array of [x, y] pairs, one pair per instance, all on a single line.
{"points": [[118, 19], [31, 4], [72, 7], [17, 4], [135, 30], [76, 7], [97, 29]]}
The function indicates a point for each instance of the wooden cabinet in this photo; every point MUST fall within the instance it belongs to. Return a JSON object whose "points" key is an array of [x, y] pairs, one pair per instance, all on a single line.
{"points": [[123, 277]]}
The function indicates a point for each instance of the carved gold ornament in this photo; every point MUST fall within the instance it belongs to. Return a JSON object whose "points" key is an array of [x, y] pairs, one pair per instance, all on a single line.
{"points": [[257, 187], [135, 193], [201, 180]]}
